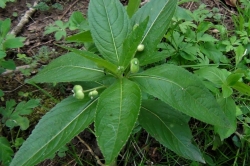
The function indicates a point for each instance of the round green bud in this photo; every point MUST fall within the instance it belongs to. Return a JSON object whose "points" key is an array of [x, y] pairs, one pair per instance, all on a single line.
{"points": [[77, 88], [140, 47], [94, 93], [134, 65], [79, 95]]}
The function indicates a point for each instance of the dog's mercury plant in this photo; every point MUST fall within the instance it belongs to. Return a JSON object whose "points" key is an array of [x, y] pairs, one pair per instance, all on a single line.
{"points": [[119, 104]]}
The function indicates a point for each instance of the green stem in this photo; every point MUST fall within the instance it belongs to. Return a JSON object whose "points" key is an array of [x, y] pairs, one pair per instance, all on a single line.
{"points": [[89, 90], [236, 158]]}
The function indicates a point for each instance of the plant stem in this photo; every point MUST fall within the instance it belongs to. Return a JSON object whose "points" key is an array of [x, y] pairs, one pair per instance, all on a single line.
{"points": [[89, 90]]}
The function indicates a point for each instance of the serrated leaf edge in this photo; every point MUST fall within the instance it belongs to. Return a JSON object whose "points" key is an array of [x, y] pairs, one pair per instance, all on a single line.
{"points": [[119, 123], [167, 128], [90, 104]]}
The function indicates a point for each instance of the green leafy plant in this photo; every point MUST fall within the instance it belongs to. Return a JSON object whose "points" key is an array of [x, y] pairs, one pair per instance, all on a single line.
{"points": [[189, 42], [121, 75], [43, 55], [3, 3], [46, 5], [13, 115], [60, 29], [76, 22], [7, 41]]}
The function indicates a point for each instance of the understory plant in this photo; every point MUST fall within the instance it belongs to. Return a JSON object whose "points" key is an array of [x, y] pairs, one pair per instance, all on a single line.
{"points": [[3, 3], [120, 85], [7, 41], [13, 115]]}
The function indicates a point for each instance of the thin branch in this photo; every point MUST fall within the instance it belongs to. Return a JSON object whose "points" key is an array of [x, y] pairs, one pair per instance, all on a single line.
{"points": [[91, 151], [24, 20], [7, 72], [68, 9]]}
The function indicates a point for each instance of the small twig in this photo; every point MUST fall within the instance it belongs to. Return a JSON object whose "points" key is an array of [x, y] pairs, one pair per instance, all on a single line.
{"points": [[68, 9], [91, 151], [17, 69], [144, 2], [14, 89], [190, 5], [24, 19]]}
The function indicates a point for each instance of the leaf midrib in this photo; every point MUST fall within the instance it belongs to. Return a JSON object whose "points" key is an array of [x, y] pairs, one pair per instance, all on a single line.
{"points": [[149, 29], [165, 125], [160, 78], [74, 66], [90, 104], [111, 32]]}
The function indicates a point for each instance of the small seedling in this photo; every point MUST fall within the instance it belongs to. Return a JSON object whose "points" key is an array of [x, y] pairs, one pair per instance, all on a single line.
{"points": [[8, 41]]}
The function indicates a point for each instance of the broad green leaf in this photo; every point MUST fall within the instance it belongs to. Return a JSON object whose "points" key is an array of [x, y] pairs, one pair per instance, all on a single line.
{"points": [[60, 34], [213, 74], [17, 120], [75, 20], [18, 142], [183, 91], [182, 14], [50, 29], [211, 86], [226, 90], [189, 51], [25, 108], [91, 56], [211, 51], [184, 26], [14, 42], [5, 27], [59, 23], [160, 14], [6, 152], [169, 127], [116, 114], [242, 88], [2, 54], [133, 6], [7, 111], [131, 43], [206, 38], [233, 78], [158, 56], [109, 26], [9, 64], [229, 107], [67, 68], [55, 129], [14, 118], [80, 37], [3, 3], [203, 27], [1, 93]]}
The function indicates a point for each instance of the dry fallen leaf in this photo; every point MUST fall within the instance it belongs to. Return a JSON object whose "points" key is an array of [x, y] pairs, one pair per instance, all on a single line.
{"points": [[231, 2]]}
